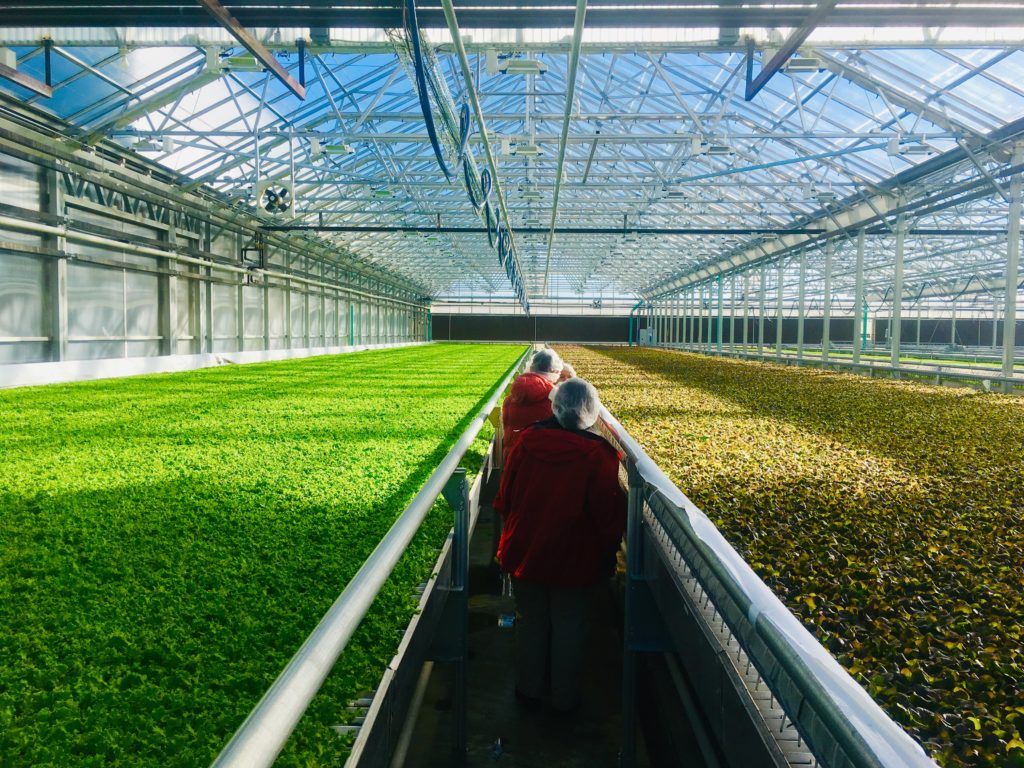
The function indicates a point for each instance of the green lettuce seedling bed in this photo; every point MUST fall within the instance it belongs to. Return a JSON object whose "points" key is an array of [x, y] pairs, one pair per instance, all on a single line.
{"points": [[167, 542]]}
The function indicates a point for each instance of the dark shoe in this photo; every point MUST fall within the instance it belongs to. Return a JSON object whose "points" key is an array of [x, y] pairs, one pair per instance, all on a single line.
{"points": [[529, 703]]}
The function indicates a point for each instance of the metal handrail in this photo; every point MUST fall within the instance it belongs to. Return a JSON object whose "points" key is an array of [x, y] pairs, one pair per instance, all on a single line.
{"points": [[945, 371], [868, 736], [266, 730]]}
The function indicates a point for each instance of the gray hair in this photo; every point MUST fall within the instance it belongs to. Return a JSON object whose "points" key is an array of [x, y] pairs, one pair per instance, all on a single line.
{"points": [[576, 405], [546, 361]]}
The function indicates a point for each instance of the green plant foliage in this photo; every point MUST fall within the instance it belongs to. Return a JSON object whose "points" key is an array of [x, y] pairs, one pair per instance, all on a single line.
{"points": [[167, 543], [887, 515]]}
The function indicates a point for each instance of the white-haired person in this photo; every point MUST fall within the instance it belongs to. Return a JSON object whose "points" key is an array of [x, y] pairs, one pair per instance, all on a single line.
{"points": [[527, 401], [564, 514], [568, 372]]}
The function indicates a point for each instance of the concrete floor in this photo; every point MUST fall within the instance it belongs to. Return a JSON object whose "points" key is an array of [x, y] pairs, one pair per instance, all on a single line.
{"points": [[499, 731]]}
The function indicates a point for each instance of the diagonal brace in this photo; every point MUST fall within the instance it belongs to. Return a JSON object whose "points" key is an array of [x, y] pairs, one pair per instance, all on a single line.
{"points": [[794, 41], [251, 44], [25, 81]]}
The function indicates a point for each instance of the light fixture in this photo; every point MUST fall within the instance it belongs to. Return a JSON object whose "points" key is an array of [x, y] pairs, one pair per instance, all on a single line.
{"points": [[517, 66], [145, 145], [244, 62], [526, 149], [701, 147], [339, 149], [803, 64], [900, 145]]}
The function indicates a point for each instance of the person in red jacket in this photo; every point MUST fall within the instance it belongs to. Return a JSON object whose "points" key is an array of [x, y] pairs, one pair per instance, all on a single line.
{"points": [[527, 400], [564, 513]]}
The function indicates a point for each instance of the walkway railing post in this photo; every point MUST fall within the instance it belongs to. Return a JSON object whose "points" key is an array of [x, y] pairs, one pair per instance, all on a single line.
{"points": [[456, 493], [634, 571]]}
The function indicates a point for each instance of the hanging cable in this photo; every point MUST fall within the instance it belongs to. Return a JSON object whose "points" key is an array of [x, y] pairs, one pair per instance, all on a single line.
{"points": [[465, 129], [421, 86]]}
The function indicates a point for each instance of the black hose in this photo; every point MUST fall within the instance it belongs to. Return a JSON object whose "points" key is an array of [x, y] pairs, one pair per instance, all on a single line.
{"points": [[467, 173], [421, 86], [465, 129], [487, 218]]}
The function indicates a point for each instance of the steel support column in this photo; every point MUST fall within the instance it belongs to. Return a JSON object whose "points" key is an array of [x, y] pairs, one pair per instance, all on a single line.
{"points": [[778, 312], [763, 280], [56, 271], [701, 305], [995, 321], [826, 320], [1012, 270], [952, 325], [746, 310], [732, 313], [896, 321], [858, 300], [801, 306], [167, 299], [718, 323]]}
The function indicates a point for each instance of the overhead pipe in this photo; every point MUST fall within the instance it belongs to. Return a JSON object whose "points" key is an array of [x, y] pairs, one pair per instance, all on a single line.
{"points": [[467, 74], [570, 92], [145, 250]]}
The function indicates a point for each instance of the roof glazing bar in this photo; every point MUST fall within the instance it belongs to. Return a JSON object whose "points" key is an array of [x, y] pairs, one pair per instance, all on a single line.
{"points": [[570, 92]]}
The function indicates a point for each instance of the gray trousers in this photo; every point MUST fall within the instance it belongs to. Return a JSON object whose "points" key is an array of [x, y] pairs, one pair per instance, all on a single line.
{"points": [[553, 626]]}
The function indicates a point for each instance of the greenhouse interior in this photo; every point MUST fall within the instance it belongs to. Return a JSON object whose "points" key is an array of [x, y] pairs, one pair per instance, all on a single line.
{"points": [[466, 383]]}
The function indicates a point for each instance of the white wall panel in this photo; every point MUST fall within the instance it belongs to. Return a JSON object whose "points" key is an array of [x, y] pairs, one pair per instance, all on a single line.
{"points": [[95, 301], [22, 287], [142, 300], [225, 318]]}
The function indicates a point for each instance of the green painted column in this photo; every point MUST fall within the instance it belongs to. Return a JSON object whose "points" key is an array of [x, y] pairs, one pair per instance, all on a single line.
{"points": [[351, 324]]}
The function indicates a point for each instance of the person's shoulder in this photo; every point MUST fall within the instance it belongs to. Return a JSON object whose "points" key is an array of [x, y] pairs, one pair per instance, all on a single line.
{"points": [[533, 384]]}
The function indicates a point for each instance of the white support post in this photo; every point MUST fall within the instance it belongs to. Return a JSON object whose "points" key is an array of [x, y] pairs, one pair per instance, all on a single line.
{"points": [[684, 318], [896, 321], [858, 300], [778, 312], [732, 313], [675, 319], [952, 325], [167, 298], [763, 279], [746, 311], [1012, 269], [995, 321], [826, 319], [801, 306], [700, 317], [57, 270]]}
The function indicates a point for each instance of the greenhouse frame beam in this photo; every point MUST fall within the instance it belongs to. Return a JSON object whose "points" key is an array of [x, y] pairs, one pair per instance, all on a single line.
{"points": [[153, 103], [570, 85], [223, 17], [178, 36], [25, 81], [544, 14], [788, 48]]}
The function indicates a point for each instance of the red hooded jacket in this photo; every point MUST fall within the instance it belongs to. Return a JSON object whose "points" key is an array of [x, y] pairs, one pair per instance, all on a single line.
{"points": [[563, 507], [527, 403]]}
